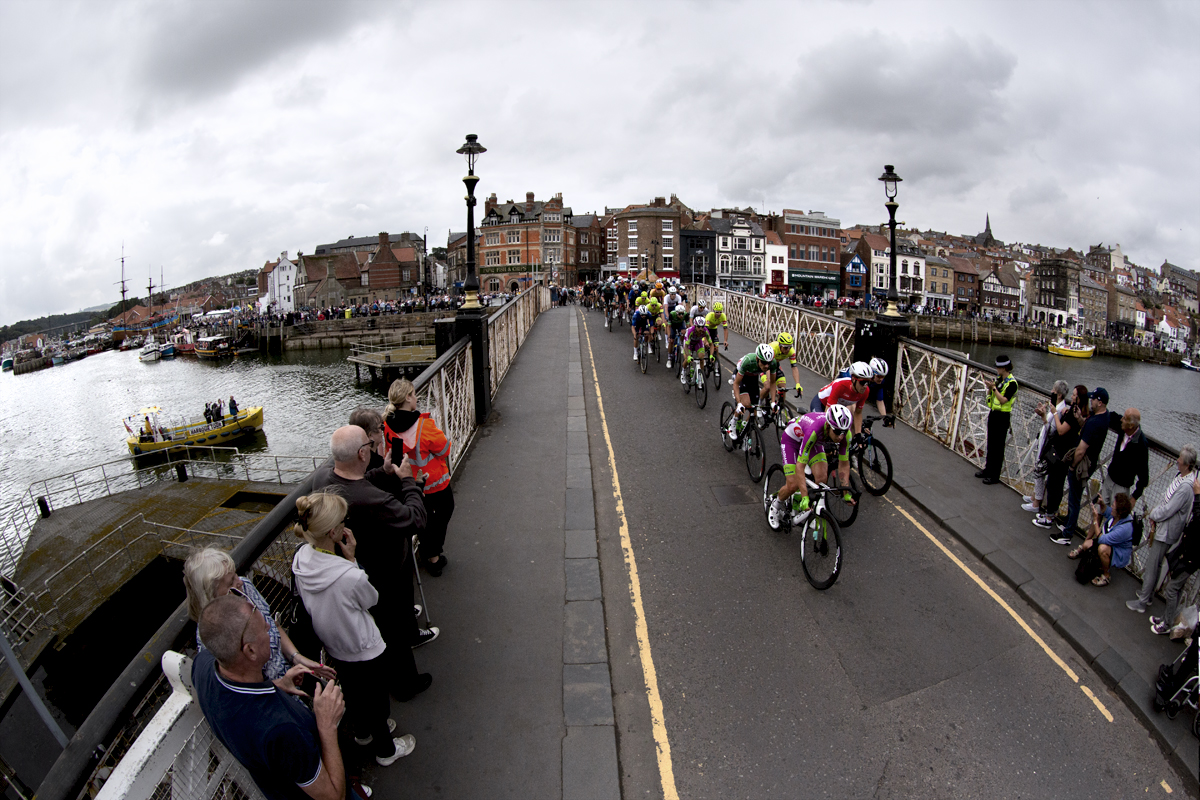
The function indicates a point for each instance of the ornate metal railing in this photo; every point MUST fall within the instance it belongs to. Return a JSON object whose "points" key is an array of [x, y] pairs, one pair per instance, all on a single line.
{"points": [[508, 327], [940, 394]]}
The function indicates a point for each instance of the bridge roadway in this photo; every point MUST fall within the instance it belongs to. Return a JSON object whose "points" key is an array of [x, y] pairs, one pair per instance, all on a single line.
{"points": [[908, 678]]}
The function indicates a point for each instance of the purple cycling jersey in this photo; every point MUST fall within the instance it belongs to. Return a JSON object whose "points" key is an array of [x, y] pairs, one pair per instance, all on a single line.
{"points": [[694, 338], [805, 437]]}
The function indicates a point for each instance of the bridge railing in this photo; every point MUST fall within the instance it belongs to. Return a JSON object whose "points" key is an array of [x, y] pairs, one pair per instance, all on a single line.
{"points": [[942, 395], [508, 327]]}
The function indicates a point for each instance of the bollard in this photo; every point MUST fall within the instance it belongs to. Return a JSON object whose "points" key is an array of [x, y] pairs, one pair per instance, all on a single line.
{"points": [[43, 507], [181, 472]]}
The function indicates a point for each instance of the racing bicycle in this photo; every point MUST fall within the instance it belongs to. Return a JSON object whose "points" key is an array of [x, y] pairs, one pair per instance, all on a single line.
{"points": [[871, 459], [696, 371], [820, 534], [749, 440]]}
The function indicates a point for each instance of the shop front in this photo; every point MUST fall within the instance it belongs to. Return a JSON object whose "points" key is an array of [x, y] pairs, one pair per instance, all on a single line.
{"points": [[814, 282]]}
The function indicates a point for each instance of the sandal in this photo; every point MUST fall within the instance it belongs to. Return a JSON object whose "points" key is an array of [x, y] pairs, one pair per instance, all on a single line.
{"points": [[1076, 553], [1100, 580]]}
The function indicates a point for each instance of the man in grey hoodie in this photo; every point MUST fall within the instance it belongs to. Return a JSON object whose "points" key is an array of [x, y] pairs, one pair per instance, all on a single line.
{"points": [[386, 509], [1167, 521]]}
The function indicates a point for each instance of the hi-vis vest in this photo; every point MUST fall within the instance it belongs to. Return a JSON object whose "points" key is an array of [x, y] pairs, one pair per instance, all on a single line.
{"points": [[431, 456], [1007, 405]]}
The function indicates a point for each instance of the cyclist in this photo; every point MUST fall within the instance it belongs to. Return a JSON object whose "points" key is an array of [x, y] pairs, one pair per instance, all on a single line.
{"points": [[851, 391], [785, 345], [655, 309], [879, 371], [717, 319], [639, 323], [806, 442], [677, 320], [697, 343], [698, 309], [632, 296], [657, 291], [746, 389], [673, 299], [607, 295]]}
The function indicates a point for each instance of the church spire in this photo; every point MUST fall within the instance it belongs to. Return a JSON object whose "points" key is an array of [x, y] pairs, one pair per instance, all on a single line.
{"points": [[987, 228]]}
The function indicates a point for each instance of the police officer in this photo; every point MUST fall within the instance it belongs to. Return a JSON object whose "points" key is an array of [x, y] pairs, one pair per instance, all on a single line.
{"points": [[1001, 395]]}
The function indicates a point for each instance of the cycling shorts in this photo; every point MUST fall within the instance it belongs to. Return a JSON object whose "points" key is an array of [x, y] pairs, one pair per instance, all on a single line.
{"points": [[749, 385], [790, 450], [694, 346], [777, 372]]}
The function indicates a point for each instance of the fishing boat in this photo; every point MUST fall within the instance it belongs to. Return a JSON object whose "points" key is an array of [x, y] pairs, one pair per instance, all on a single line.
{"points": [[1186, 363], [212, 348], [150, 430], [8, 363], [151, 351], [1071, 346], [166, 350]]}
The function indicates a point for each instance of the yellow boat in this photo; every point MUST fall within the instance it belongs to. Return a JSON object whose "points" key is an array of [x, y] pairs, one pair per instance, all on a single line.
{"points": [[1074, 347], [150, 432]]}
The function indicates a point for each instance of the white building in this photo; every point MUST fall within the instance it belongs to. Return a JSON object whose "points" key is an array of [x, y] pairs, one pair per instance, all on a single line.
{"points": [[280, 279], [741, 254], [777, 262]]}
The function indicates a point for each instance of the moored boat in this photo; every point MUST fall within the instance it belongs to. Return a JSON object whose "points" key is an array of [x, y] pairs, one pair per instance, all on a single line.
{"points": [[8, 363], [151, 351], [150, 431], [1072, 347], [213, 347], [1187, 363]]}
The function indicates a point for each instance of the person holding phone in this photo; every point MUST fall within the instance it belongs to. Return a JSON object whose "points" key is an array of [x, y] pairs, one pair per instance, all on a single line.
{"points": [[338, 596]]}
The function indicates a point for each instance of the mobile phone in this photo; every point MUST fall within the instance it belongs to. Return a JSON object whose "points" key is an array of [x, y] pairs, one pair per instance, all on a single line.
{"points": [[308, 684]]}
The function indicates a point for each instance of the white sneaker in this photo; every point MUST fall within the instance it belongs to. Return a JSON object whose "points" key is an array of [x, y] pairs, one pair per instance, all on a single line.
{"points": [[1026, 498], [775, 514], [668, 363], [404, 745], [683, 378], [635, 354], [1027, 506]]}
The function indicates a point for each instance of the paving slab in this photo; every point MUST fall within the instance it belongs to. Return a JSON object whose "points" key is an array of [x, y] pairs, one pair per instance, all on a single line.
{"points": [[587, 694], [583, 579], [583, 633], [581, 544], [589, 764]]}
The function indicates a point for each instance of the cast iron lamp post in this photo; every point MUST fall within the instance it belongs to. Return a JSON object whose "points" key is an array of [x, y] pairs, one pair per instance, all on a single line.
{"points": [[471, 150], [890, 179]]}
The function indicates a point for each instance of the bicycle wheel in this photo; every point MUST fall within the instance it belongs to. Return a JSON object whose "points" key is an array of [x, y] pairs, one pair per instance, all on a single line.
{"points": [[875, 468], [821, 549], [726, 416], [657, 350], [775, 481], [756, 454], [716, 372], [697, 377], [643, 359], [844, 512]]}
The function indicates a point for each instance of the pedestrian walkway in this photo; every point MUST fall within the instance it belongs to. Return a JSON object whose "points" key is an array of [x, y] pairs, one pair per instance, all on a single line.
{"points": [[1114, 641], [521, 704]]}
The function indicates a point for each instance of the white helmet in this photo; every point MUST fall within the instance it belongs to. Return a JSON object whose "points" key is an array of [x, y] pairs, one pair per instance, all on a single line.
{"points": [[765, 352], [679, 309], [702, 303], [839, 417], [861, 370], [879, 366], [700, 321]]}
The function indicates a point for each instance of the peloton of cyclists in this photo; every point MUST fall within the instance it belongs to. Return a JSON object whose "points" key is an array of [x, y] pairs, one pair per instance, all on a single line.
{"points": [[879, 371]]}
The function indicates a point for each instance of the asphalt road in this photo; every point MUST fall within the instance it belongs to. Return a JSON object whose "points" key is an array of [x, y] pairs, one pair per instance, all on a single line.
{"points": [[906, 679]]}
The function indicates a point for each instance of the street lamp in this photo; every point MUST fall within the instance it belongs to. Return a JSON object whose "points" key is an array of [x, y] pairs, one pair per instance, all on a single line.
{"points": [[890, 179], [471, 151]]}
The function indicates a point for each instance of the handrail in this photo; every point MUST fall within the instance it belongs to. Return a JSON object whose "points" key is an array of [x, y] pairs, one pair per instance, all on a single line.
{"points": [[70, 770], [440, 363]]}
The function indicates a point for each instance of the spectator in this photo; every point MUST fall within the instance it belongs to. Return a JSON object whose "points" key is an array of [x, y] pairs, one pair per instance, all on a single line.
{"points": [[208, 417], [370, 421], [233, 406], [424, 443], [210, 573], [1167, 521], [338, 596], [218, 417], [1091, 442], [387, 510], [1181, 563], [1114, 539], [1065, 437], [1001, 395], [281, 743], [1129, 467], [1058, 403]]}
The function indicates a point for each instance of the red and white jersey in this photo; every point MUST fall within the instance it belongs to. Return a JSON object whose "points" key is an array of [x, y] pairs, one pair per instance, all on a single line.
{"points": [[842, 391]]}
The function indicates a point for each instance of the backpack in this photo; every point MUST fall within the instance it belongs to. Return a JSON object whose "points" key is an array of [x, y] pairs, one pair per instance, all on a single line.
{"points": [[1138, 528], [1089, 565]]}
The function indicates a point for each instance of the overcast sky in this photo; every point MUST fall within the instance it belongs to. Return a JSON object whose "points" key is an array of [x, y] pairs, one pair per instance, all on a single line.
{"points": [[210, 136]]}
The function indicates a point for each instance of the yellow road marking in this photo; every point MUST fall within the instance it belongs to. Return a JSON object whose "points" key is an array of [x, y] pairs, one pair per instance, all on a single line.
{"points": [[657, 722], [991, 593]]}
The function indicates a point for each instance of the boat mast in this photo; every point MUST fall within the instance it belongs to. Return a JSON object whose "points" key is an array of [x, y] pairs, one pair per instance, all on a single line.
{"points": [[150, 289], [122, 282]]}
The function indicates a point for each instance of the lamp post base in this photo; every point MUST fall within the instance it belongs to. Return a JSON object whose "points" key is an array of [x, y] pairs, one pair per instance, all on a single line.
{"points": [[472, 301], [880, 338]]}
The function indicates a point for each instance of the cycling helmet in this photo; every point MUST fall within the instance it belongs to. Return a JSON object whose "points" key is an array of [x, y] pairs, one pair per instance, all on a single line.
{"points": [[785, 339], [879, 366], [643, 294], [679, 309], [702, 303], [700, 321], [718, 306], [861, 370], [765, 352], [838, 417], [641, 301]]}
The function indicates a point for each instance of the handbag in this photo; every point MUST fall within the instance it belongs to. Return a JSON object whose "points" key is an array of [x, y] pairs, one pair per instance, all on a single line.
{"points": [[1089, 565], [295, 619]]}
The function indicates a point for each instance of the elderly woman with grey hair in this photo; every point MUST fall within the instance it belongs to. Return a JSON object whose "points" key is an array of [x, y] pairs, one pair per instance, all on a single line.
{"points": [[210, 573], [1167, 521]]}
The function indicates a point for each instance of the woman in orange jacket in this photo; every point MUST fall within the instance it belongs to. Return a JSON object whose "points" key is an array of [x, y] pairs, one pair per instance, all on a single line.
{"points": [[429, 450]]}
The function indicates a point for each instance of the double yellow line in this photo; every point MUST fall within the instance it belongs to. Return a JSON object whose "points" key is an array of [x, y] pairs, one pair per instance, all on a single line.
{"points": [[666, 770]]}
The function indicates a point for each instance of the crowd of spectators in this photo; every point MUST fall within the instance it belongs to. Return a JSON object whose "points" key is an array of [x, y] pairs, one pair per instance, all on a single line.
{"points": [[307, 723]]}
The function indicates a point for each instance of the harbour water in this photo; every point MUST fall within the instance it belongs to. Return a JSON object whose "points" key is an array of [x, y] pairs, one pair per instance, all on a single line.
{"points": [[61, 419], [1168, 397]]}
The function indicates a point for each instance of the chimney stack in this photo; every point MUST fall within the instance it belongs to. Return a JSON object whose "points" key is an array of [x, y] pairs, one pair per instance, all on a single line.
{"points": [[659, 202], [489, 204], [528, 202]]}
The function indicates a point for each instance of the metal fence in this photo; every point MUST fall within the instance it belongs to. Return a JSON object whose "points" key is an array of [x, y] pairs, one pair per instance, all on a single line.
{"points": [[940, 394], [174, 755]]}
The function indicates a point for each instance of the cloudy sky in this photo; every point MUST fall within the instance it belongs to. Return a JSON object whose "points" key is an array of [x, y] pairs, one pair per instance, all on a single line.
{"points": [[210, 136]]}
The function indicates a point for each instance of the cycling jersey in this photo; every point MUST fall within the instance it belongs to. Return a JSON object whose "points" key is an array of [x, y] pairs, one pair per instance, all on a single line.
{"points": [[780, 354], [806, 440], [609, 292], [658, 294], [640, 319], [654, 307], [672, 300], [633, 296], [749, 365], [842, 391], [678, 320], [715, 320], [695, 338], [874, 390]]}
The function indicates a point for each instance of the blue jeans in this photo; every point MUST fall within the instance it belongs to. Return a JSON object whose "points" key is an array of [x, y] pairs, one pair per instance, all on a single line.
{"points": [[1074, 495]]}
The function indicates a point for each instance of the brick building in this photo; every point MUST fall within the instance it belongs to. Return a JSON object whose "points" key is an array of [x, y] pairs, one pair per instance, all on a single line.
{"points": [[590, 249], [1093, 305], [1054, 296], [522, 244], [967, 298], [939, 283], [642, 236], [813, 242], [1122, 310]]}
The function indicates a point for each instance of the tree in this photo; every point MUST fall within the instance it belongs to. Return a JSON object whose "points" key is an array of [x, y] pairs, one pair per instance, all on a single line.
{"points": [[439, 253]]}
